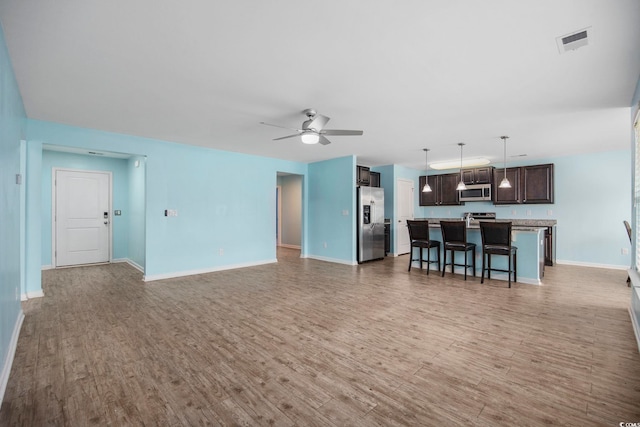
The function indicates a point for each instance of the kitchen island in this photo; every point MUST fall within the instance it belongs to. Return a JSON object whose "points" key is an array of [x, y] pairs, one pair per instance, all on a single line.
{"points": [[530, 236]]}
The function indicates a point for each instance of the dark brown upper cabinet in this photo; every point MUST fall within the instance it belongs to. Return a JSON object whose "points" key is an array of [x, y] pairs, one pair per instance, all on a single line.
{"points": [[537, 183], [443, 190], [374, 179], [483, 175], [363, 176], [506, 196], [529, 185]]}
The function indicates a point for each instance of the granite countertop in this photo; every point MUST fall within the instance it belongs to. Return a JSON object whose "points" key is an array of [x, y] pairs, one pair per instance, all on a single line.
{"points": [[518, 224]]}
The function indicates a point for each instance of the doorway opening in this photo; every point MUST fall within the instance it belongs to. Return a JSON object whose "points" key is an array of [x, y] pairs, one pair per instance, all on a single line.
{"points": [[289, 211]]}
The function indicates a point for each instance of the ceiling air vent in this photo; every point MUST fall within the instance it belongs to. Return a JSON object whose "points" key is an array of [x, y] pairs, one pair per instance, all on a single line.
{"points": [[574, 40]]}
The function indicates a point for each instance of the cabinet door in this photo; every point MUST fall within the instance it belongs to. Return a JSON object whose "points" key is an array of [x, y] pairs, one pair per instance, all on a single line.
{"points": [[428, 199], [483, 175], [537, 184], [506, 196], [469, 176], [374, 179], [448, 193]]}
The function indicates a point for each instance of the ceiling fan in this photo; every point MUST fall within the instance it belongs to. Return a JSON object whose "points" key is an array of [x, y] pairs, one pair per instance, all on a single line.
{"points": [[313, 130]]}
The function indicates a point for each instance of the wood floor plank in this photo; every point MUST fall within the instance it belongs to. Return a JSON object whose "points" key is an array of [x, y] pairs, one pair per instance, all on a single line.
{"points": [[305, 342]]}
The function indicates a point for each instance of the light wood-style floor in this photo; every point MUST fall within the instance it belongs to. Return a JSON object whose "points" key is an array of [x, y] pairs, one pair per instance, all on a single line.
{"points": [[305, 342]]}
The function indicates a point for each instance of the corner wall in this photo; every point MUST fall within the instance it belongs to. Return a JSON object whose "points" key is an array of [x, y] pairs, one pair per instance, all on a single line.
{"points": [[12, 131]]}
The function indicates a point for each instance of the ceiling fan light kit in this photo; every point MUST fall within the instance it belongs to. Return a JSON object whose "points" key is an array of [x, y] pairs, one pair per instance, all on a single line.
{"points": [[312, 130], [310, 138]]}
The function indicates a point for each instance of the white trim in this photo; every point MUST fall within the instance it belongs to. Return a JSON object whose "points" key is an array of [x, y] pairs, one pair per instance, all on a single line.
{"points": [[54, 170], [327, 259], [279, 213], [8, 362], [592, 265], [130, 262], [47, 267], [32, 294], [204, 270], [635, 299], [284, 245], [636, 327]]}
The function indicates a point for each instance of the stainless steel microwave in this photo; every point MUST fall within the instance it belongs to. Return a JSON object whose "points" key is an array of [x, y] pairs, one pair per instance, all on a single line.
{"points": [[476, 193]]}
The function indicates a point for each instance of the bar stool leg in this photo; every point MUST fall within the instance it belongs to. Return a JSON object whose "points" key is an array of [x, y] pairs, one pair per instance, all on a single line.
{"points": [[444, 264], [465, 264], [474, 261], [482, 274]]}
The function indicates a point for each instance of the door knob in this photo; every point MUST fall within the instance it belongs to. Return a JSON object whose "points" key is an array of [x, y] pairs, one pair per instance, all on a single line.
{"points": [[106, 222]]}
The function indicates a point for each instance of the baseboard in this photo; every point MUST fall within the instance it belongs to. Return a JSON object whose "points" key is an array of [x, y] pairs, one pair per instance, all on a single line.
{"points": [[31, 295], [284, 245], [154, 277], [592, 265], [334, 260], [130, 262], [47, 267], [13, 344]]}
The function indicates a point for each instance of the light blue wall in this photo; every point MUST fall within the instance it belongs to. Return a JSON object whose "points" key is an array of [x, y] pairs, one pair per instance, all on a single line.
{"points": [[12, 131], [591, 201], [136, 215], [332, 193], [223, 200], [120, 185]]}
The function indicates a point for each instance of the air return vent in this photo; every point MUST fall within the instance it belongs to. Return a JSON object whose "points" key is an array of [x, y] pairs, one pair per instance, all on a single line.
{"points": [[574, 40]]}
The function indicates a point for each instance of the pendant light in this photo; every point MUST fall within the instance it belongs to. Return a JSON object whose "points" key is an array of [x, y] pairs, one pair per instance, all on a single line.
{"points": [[426, 188], [461, 185], [505, 182]]}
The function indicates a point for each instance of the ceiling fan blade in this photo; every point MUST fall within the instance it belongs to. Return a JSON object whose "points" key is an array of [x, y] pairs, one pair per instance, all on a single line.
{"points": [[285, 137], [341, 132], [278, 126], [319, 121], [324, 141]]}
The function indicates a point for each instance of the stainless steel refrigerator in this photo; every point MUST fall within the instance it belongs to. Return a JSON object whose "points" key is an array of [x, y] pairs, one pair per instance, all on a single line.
{"points": [[370, 223]]}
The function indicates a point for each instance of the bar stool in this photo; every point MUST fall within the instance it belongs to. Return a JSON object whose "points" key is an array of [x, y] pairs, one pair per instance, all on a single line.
{"points": [[419, 236], [496, 240], [454, 238]]}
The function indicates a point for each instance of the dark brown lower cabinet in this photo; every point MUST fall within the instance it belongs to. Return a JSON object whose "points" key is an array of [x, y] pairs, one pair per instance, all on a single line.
{"points": [[548, 246]]}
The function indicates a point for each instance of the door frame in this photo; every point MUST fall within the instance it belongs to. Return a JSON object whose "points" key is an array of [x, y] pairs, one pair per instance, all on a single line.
{"points": [[279, 215], [54, 170], [397, 213]]}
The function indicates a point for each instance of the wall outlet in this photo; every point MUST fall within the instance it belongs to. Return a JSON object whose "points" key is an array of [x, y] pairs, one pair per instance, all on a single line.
{"points": [[549, 212], [513, 212], [220, 251], [345, 212], [625, 251], [324, 245], [528, 212]]}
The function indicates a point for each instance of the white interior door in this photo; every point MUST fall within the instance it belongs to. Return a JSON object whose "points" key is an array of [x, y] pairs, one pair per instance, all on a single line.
{"points": [[405, 211], [82, 217]]}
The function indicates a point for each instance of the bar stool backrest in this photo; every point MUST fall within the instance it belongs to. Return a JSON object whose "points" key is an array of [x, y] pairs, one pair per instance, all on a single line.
{"points": [[496, 233], [418, 230], [454, 231]]}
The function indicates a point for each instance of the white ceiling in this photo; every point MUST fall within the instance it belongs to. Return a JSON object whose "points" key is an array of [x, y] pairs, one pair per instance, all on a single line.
{"points": [[411, 74]]}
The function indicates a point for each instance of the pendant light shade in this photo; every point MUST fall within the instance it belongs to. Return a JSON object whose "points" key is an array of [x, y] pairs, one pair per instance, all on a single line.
{"points": [[461, 185], [505, 182], [426, 188]]}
